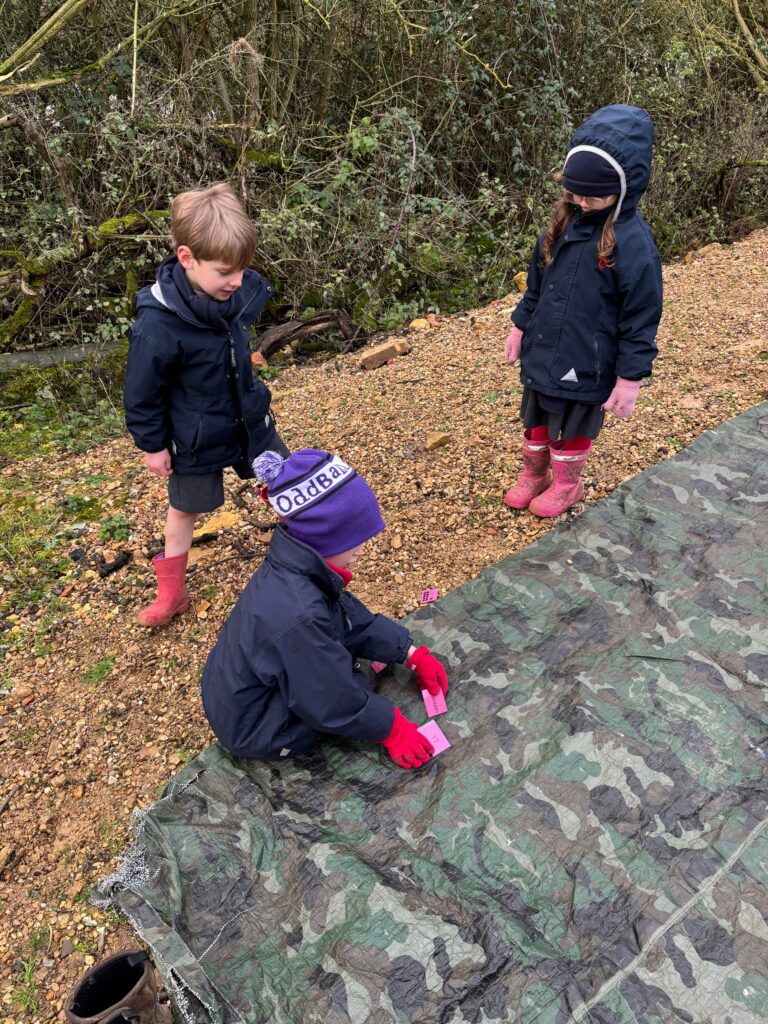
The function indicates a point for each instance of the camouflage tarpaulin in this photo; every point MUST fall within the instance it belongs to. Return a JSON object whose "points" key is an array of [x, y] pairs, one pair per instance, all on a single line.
{"points": [[594, 847]]}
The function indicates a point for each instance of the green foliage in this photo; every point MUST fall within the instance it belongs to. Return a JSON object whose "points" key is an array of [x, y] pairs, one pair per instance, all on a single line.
{"points": [[48, 424], [25, 994], [35, 536], [30, 543], [69, 406], [114, 528], [394, 159], [111, 835], [100, 669], [269, 372], [76, 506]]}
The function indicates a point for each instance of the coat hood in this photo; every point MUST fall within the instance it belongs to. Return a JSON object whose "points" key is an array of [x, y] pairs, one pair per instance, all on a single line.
{"points": [[623, 136], [164, 294]]}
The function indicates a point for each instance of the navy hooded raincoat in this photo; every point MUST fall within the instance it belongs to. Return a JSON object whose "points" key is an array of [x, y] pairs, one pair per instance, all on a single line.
{"points": [[190, 389], [585, 325], [282, 672]]}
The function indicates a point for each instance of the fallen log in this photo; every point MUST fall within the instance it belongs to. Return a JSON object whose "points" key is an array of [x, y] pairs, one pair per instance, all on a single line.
{"points": [[33, 271], [277, 337]]}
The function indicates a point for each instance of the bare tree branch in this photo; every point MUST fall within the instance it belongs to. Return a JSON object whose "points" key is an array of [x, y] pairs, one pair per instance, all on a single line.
{"points": [[75, 74], [757, 53], [47, 30]]}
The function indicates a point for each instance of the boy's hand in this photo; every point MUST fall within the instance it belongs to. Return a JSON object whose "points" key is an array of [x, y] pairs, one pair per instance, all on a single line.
{"points": [[159, 463], [429, 673], [405, 744], [512, 345]]}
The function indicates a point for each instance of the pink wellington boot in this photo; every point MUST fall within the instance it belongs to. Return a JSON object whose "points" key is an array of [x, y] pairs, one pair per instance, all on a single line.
{"points": [[172, 597], [535, 476], [567, 488]]}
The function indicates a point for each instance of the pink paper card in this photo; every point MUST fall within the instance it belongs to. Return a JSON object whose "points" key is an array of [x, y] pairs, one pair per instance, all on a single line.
{"points": [[378, 666], [434, 703], [428, 596], [434, 734]]}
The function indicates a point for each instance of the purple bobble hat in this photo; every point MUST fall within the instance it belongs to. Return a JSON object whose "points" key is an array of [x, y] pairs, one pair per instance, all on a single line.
{"points": [[322, 501]]}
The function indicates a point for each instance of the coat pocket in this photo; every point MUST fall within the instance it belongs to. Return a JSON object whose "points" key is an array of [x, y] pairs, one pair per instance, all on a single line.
{"points": [[586, 354], [187, 441], [256, 413]]}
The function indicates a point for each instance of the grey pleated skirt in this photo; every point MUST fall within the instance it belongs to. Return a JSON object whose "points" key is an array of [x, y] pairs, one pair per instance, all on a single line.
{"points": [[563, 418]]}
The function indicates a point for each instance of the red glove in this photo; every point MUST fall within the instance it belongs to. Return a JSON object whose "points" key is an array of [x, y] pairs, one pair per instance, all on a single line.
{"points": [[405, 744], [623, 399], [429, 673], [512, 345]]}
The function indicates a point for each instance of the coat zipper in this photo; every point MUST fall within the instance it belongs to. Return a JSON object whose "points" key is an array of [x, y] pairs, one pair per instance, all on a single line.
{"points": [[347, 620], [236, 377], [232, 356]]}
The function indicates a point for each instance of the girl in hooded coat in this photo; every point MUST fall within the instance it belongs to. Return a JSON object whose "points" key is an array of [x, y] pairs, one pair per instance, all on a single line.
{"points": [[584, 330]]}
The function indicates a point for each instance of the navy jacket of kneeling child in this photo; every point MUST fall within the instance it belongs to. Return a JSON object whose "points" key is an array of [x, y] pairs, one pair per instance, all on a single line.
{"points": [[283, 671]]}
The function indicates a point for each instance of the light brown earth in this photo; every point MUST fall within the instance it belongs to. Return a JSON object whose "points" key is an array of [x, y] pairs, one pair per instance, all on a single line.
{"points": [[99, 714]]}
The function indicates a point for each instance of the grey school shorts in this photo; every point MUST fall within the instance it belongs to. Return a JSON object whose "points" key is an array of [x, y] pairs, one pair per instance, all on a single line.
{"points": [[198, 494], [205, 492]]}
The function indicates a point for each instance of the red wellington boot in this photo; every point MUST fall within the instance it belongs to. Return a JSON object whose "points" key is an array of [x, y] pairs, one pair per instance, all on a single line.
{"points": [[535, 476], [172, 597], [567, 487]]}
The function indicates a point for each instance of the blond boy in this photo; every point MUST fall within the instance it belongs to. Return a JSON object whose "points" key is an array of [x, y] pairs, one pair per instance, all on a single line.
{"points": [[191, 401]]}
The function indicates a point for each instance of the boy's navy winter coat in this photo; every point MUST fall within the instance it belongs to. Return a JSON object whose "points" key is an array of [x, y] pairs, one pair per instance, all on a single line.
{"points": [[584, 324], [282, 672], [190, 389]]}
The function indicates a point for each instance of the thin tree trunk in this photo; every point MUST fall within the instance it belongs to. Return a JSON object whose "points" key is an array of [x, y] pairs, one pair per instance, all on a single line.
{"points": [[293, 71], [326, 72], [272, 68], [223, 96], [757, 54]]}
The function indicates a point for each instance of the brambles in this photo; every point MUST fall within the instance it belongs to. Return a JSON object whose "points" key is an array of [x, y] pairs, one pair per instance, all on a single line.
{"points": [[393, 160]]}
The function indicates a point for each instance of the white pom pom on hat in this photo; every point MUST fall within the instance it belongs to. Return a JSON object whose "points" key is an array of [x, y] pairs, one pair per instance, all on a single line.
{"points": [[268, 466]]}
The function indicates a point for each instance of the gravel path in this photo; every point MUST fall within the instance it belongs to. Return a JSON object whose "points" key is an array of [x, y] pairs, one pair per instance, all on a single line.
{"points": [[99, 714]]}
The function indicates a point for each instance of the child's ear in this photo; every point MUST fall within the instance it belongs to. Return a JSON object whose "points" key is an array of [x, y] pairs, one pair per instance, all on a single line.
{"points": [[185, 256]]}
